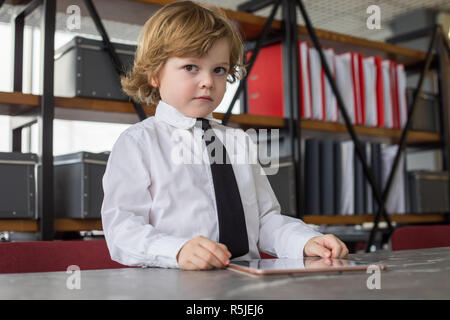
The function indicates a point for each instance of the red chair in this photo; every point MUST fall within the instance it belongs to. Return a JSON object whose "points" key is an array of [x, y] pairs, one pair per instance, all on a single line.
{"points": [[420, 237], [45, 256], [266, 256]]}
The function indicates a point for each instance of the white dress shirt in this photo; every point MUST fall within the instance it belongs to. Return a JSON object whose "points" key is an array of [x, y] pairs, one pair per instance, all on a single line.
{"points": [[152, 205]]}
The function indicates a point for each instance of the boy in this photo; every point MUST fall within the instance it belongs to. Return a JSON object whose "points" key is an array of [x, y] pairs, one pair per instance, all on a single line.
{"points": [[157, 212]]}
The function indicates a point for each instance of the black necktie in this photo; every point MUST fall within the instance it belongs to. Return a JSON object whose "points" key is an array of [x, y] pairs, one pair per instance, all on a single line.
{"points": [[232, 228]]}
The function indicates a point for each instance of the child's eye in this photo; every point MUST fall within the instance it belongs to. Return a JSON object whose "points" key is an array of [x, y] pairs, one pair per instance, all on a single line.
{"points": [[220, 70], [190, 68]]}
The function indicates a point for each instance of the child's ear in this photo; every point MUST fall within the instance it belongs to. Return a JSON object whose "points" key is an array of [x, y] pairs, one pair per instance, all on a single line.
{"points": [[152, 81]]}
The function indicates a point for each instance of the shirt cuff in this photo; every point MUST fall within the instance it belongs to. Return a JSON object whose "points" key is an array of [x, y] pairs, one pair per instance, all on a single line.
{"points": [[298, 242], [163, 251]]}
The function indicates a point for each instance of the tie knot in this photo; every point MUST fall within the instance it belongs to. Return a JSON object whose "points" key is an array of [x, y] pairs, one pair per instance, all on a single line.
{"points": [[205, 124]]}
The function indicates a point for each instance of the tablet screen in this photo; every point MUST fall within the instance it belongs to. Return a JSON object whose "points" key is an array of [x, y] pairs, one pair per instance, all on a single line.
{"points": [[305, 265]]}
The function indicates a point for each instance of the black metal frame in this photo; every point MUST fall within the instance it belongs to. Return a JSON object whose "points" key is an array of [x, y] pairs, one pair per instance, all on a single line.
{"points": [[291, 94], [443, 50], [290, 78], [118, 66], [19, 25], [46, 120], [291, 64], [46, 115], [402, 142], [367, 172], [289, 19], [250, 63]]}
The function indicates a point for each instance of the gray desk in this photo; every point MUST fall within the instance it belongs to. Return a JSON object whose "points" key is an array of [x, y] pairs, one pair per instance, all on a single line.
{"points": [[412, 274]]}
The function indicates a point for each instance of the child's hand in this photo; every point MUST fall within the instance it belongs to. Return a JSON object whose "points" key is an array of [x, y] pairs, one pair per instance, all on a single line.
{"points": [[202, 253], [321, 246]]}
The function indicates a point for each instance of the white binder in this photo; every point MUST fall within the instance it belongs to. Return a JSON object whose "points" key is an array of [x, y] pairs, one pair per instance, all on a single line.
{"points": [[304, 77]]}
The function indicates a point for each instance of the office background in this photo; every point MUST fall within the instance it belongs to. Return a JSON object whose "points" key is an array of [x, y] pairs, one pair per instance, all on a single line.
{"points": [[77, 131]]}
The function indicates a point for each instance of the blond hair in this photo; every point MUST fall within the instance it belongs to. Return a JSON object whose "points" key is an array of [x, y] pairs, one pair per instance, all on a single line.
{"points": [[180, 29]]}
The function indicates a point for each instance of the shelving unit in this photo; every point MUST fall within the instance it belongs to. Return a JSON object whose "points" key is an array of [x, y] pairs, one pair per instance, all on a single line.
{"points": [[19, 104], [22, 225], [16, 104]]}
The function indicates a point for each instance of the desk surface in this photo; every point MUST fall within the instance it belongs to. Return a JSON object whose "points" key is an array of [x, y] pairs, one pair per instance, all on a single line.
{"points": [[410, 274]]}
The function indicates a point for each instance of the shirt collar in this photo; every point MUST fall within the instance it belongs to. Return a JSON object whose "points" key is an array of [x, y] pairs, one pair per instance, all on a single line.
{"points": [[169, 114]]}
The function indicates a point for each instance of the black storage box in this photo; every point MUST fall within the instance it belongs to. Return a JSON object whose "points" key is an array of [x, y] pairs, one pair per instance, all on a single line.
{"points": [[83, 68], [18, 185], [428, 191], [283, 185], [425, 116], [78, 184]]}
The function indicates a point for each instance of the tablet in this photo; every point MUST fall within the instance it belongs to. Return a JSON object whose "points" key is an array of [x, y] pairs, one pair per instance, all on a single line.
{"points": [[305, 265]]}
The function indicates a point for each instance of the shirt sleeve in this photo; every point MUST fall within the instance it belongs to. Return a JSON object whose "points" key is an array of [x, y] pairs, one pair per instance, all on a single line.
{"points": [[279, 235], [126, 207]]}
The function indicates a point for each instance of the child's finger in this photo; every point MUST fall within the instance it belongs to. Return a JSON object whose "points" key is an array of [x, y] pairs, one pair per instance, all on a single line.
{"points": [[217, 249], [316, 249], [225, 249], [209, 257], [336, 251], [339, 248], [189, 266], [334, 244], [344, 249], [199, 262]]}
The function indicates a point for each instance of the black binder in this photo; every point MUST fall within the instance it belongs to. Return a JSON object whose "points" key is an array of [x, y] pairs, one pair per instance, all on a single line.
{"points": [[337, 169], [376, 170], [326, 177], [360, 190], [312, 177]]}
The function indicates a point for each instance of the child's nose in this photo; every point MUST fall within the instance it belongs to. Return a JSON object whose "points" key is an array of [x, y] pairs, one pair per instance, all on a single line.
{"points": [[206, 81]]}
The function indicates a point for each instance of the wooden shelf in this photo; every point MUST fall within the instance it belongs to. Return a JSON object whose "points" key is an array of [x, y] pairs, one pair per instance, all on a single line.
{"points": [[16, 103], [414, 137], [19, 225], [359, 219], [28, 225], [251, 27], [63, 224], [78, 224]]}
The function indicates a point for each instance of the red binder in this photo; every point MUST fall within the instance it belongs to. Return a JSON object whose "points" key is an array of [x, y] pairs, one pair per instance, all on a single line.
{"points": [[265, 83], [358, 87], [394, 95], [379, 88]]}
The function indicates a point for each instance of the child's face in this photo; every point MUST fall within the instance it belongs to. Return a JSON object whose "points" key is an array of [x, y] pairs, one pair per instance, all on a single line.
{"points": [[183, 81]]}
